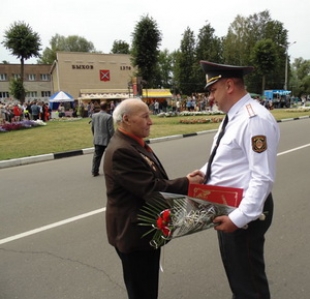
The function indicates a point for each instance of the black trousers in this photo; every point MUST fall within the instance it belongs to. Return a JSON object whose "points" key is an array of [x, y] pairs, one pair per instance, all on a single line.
{"points": [[98, 153], [141, 273], [242, 254]]}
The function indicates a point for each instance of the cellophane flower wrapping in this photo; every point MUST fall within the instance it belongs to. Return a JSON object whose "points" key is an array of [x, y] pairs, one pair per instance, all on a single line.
{"points": [[173, 215]]}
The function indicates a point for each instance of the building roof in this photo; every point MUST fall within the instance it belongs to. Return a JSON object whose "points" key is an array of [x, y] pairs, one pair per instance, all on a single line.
{"points": [[89, 94]]}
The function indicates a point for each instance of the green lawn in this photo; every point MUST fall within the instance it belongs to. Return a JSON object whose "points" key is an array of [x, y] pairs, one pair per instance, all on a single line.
{"points": [[60, 136]]}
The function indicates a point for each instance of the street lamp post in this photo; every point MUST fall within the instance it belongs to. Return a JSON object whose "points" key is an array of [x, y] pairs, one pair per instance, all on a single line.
{"points": [[129, 86], [286, 64]]}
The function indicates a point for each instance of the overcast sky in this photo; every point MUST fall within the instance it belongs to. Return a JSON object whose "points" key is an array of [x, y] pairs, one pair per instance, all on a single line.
{"points": [[103, 22]]}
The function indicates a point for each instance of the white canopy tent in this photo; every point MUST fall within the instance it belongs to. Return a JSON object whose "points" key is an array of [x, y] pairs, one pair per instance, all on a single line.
{"points": [[61, 96]]}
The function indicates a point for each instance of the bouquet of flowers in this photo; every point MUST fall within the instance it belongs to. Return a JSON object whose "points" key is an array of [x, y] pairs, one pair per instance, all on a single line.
{"points": [[175, 215]]}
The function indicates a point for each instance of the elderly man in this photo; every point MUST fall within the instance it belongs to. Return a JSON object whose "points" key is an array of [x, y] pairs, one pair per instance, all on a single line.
{"points": [[244, 156], [134, 175]]}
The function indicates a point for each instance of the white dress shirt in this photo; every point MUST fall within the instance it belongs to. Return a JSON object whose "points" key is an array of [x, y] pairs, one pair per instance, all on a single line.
{"points": [[240, 163]]}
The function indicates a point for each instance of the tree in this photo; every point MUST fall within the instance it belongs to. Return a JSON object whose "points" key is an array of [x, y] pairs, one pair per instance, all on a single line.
{"points": [[301, 69], [17, 89], [175, 84], [242, 36], [163, 73], [264, 58], [120, 47], [275, 31], [145, 49], [24, 43], [186, 62], [209, 47], [71, 43], [234, 43]]}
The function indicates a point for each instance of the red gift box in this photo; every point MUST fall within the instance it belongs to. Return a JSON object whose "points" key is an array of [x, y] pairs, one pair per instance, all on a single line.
{"points": [[216, 194]]}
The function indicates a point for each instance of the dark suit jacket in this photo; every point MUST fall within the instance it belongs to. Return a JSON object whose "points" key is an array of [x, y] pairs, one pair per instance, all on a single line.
{"points": [[133, 176]]}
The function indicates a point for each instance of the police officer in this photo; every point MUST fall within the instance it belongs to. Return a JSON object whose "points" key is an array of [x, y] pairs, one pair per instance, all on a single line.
{"points": [[245, 158]]}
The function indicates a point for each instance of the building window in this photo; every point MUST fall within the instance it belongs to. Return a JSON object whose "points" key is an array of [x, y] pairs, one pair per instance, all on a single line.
{"points": [[44, 77], [16, 76], [32, 94], [45, 93], [31, 77], [4, 94], [3, 77]]}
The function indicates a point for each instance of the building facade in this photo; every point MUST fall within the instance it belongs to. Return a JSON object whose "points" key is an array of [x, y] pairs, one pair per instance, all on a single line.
{"points": [[87, 77], [91, 76], [37, 81]]}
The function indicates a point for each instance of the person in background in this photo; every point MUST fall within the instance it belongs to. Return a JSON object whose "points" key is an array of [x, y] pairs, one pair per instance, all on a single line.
{"points": [[45, 116], [61, 110], [156, 107], [134, 175], [2, 113], [245, 158], [26, 111], [8, 112], [102, 129], [35, 110], [17, 112], [29, 104]]}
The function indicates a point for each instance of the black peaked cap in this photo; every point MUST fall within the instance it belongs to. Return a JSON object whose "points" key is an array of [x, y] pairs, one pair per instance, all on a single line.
{"points": [[215, 71]]}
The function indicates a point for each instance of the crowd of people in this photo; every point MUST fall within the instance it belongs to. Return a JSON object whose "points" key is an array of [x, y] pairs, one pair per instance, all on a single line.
{"points": [[35, 110], [195, 102], [202, 102]]}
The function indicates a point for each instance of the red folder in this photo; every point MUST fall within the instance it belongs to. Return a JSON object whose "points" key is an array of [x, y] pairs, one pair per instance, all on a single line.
{"points": [[216, 194]]}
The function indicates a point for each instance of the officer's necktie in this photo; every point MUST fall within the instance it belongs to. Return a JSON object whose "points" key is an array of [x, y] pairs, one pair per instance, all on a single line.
{"points": [[225, 121]]}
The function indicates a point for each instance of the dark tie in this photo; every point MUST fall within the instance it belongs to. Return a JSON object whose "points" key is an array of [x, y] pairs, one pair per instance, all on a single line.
{"points": [[215, 148]]}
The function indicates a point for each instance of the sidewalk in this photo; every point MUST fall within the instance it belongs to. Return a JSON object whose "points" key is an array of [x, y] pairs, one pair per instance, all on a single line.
{"points": [[53, 156]]}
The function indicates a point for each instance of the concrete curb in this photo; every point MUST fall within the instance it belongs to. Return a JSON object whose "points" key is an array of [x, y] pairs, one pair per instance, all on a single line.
{"points": [[42, 158], [53, 156]]}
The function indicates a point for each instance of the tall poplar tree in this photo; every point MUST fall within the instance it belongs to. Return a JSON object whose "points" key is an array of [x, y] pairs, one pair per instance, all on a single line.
{"points": [[209, 47], [145, 49], [185, 64]]}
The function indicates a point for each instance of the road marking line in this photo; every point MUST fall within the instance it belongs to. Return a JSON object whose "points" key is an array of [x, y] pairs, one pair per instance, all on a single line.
{"points": [[72, 219], [50, 226], [294, 149]]}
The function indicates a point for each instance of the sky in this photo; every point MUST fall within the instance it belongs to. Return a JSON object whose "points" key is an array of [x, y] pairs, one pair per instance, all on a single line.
{"points": [[103, 22]]}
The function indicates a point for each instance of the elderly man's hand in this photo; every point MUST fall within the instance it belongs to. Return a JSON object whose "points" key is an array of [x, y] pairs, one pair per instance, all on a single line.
{"points": [[196, 177]]}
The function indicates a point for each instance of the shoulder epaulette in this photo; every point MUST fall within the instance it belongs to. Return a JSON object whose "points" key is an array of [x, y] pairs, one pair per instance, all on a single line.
{"points": [[250, 110]]}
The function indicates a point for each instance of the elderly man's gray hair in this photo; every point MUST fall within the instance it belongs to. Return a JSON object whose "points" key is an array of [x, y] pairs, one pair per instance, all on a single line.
{"points": [[123, 108]]}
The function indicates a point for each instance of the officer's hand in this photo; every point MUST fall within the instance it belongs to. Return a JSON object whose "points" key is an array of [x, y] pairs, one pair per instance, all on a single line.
{"points": [[196, 177], [224, 224]]}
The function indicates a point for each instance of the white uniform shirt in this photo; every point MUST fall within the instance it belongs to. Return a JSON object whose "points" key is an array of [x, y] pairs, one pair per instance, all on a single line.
{"points": [[240, 160]]}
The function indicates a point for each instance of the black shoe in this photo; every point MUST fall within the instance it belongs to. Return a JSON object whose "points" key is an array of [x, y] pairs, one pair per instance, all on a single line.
{"points": [[95, 174]]}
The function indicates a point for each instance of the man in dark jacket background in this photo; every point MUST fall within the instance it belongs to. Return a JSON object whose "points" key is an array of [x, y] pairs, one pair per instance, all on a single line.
{"points": [[102, 129]]}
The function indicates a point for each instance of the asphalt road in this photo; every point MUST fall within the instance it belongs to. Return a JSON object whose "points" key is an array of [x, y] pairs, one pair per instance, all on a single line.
{"points": [[52, 233]]}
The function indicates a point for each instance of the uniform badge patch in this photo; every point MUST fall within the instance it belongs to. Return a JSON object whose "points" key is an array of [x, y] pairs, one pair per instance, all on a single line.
{"points": [[259, 143]]}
